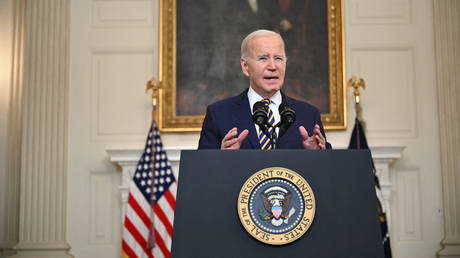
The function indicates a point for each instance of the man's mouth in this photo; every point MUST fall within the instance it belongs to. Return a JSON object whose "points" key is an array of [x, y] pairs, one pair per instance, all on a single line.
{"points": [[271, 78]]}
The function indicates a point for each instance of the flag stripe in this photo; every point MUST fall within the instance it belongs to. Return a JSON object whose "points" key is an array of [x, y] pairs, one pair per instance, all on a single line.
{"points": [[127, 251], [167, 210], [160, 228], [129, 240], [157, 252], [171, 200], [135, 233], [173, 191], [139, 251], [144, 205], [161, 244], [139, 211], [162, 216], [136, 220], [136, 245]]}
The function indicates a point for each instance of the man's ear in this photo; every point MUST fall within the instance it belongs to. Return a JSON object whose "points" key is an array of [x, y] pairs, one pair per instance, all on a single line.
{"points": [[244, 67]]}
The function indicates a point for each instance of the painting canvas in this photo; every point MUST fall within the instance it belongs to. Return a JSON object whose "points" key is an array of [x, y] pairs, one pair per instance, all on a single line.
{"points": [[201, 55]]}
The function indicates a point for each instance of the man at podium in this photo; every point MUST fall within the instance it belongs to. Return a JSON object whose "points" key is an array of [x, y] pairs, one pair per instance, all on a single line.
{"points": [[262, 117]]}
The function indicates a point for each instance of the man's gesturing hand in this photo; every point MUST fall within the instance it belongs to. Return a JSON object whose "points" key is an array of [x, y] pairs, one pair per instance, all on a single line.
{"points": [[231, 141], [314, 142]]}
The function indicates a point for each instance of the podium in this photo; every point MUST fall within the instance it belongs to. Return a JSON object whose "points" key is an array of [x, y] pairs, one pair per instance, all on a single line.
{"points": [[206, 222]]}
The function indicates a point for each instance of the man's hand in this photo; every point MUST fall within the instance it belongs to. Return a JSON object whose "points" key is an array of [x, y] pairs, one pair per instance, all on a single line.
{"points": [[231, 141], [314, 142]]}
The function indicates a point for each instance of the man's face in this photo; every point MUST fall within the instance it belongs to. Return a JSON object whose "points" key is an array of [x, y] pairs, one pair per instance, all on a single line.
{"points": [[265, 65]]}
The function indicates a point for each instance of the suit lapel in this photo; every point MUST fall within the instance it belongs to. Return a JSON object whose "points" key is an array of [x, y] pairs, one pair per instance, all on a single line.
{"points": [[245, 120]]}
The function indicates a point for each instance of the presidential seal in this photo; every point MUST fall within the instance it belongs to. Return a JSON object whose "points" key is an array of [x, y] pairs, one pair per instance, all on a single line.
{"points": [[276, 206]]}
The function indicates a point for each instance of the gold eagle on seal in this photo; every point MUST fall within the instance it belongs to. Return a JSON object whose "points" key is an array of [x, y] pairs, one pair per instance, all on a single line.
{"points": [[276, 201]]}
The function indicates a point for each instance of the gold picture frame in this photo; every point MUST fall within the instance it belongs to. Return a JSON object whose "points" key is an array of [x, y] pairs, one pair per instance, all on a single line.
{"points": [[167, 116]]}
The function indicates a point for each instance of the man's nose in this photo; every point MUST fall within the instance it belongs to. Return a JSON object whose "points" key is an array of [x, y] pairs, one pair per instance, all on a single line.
{"points": [[271, 64]]}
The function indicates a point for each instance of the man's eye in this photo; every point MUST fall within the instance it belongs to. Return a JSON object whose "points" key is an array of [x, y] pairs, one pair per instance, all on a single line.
{"points": [[262, 59]]}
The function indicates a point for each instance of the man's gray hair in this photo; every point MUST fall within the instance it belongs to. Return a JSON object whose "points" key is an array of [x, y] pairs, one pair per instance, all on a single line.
{"points": [[258, 33]]}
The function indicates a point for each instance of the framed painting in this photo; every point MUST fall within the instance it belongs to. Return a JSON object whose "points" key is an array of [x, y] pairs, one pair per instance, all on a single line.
{"points": [[200, 52]]}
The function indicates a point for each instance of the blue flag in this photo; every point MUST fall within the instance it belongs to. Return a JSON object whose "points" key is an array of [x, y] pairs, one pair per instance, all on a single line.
{"points": [[358, 141]]}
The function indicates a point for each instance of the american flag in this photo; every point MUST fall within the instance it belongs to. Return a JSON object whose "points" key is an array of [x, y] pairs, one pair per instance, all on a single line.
{"points": [[148, 224]]}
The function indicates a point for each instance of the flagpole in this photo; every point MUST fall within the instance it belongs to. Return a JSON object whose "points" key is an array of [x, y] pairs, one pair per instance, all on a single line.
{"points": [[355, 83], [154, 85], [358, 141]]}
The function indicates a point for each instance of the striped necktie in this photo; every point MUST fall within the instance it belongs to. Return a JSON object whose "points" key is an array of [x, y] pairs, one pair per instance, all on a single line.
{"points": [[265, 143]]}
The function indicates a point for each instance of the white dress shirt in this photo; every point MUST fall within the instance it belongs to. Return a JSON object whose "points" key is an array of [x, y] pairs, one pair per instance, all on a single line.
{"points": [[275, 102]]}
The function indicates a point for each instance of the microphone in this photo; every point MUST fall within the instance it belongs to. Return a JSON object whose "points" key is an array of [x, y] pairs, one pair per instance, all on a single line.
{"points": [[260, 114], [287, 115]]}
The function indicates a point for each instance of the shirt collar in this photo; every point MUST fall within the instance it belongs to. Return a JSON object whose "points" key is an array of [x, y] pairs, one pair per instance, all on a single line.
{"points": [[254, 97]]}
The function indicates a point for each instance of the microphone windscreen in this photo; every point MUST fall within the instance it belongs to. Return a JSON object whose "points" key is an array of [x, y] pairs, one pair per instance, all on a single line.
{"points": [[287, 114], [260, 113]]}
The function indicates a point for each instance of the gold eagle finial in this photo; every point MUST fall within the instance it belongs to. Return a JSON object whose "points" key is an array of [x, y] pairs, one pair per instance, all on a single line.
{"points": [[355, 82], [154, 85]]}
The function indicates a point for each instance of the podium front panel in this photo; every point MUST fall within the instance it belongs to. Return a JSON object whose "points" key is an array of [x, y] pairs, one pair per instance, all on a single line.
{"points": [[206, 222]]}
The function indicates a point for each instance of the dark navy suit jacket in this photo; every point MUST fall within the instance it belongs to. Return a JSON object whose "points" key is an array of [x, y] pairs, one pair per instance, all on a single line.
{"points": [[236, 112]]}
